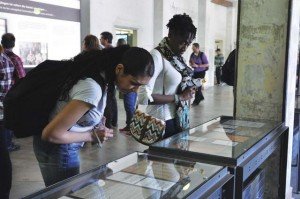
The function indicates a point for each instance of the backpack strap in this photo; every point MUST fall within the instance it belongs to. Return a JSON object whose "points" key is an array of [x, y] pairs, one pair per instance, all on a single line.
{"points": [[201, 55]]}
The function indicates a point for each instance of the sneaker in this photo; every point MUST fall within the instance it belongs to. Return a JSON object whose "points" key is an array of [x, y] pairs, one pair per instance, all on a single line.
{"points": [[13, 147]]}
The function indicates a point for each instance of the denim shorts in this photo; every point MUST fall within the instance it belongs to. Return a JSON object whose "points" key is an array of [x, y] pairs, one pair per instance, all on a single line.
{"points": [[56, 161]]}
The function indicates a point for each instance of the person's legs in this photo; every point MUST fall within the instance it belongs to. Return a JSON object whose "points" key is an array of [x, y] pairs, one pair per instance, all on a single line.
{"points": [[218, 75], [56, 162], [198, 96], [129, 105], [114, 106], [11, 146], [111, 110], [6, 168]]}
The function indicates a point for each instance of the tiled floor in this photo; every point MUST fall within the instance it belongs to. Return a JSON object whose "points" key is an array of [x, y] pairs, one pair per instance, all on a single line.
{"points": [[26, 174]]}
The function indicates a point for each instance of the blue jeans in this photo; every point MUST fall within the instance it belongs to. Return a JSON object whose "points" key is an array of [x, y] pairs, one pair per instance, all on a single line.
{"points": [[8, 135], [56, 161], [129, 104]]}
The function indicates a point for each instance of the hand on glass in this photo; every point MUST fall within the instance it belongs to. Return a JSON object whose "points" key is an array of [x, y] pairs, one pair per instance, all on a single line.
{"points": [[101, 133], [104, 133]]}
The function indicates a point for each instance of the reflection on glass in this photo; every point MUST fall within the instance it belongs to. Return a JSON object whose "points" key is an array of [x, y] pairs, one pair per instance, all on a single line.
{"points": [[143, 176], [221, 137]]}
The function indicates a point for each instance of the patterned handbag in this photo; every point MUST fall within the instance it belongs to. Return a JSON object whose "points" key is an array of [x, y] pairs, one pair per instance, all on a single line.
{"points": [[146, 129]]}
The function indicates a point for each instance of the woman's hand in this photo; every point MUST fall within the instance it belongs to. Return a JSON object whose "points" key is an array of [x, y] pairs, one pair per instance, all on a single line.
{"points": [[103, 133], [187, 94]]}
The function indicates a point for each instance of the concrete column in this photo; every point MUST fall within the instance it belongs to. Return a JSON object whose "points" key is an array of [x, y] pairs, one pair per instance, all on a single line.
{"points": [[262, 64], [201, 28], [261, 59], [158, 25], [84, 18], [205, 37]]}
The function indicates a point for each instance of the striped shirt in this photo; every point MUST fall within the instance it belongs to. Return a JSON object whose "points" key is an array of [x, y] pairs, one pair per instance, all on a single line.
{"points": [[16, 60], [6, 75]]}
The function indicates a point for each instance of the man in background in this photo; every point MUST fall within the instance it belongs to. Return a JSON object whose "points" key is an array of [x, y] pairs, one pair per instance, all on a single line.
{"points": [[5, 164], [219, 61], [111, 109], [129, 101], [90, 42], [199, 62], [8, 42], [106, 39], [17, 72]]}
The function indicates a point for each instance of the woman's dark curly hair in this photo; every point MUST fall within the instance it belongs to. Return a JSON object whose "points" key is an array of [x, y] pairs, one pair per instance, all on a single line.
{"points": [[136, 61], [182, 24]]}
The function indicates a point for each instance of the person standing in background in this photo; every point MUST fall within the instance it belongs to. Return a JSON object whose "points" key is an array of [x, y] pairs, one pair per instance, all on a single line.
{"points": [[90, 42], [121, 42], [219, 61], [129, 101], [106, 39], [5, 163], [111, 110], [8, 42], [199, 62]]}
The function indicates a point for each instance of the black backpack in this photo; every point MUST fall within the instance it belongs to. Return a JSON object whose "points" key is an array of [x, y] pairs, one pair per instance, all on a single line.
{"points": [[29, 102], [228, 69]]}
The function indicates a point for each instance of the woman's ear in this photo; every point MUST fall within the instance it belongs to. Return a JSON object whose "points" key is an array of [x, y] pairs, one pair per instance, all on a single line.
{"points": [[119, 69]]}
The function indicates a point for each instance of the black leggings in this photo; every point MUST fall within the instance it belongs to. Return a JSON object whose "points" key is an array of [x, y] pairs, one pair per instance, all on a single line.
{"points": [[198, 95], [171, 128]]}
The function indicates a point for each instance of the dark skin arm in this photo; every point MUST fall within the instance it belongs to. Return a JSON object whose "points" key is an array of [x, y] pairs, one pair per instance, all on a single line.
{"points": [[165, 99]]}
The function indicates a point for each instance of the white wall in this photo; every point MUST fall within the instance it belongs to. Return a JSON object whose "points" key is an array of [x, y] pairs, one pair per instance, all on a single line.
{"points": [[133, 14], [172, 7], [217, 23]]}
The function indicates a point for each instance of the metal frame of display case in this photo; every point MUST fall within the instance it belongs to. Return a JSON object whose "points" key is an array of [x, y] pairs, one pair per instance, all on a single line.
{"points": [[297, 111], [243, 166], [222, 179]]}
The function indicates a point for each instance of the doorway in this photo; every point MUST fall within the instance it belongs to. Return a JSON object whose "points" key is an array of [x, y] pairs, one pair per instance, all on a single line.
{"points": [[129, 35]]}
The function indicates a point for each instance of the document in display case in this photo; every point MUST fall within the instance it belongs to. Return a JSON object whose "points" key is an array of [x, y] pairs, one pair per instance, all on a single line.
{"points": [[140, 175], [221, 137], [241, 144]]}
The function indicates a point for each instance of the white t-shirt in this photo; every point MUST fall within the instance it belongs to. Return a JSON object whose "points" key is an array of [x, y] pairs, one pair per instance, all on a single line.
{"points": [[89, 91], [165, 76]]}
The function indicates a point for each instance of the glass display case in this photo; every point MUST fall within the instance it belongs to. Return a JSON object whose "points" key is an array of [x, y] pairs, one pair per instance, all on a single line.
{"points": [[140, 175], [222, 137], [242, 144]]}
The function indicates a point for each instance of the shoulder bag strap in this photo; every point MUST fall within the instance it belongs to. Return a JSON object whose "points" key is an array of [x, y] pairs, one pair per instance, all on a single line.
{"points": [[163, 63]]}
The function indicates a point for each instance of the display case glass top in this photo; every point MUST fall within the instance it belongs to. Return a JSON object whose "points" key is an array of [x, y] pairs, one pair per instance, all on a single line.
{"points": [[222, 137], [139, 175]]}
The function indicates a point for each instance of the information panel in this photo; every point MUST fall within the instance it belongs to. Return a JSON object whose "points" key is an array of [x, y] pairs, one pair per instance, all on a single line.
{"points": [[44, 29]]}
